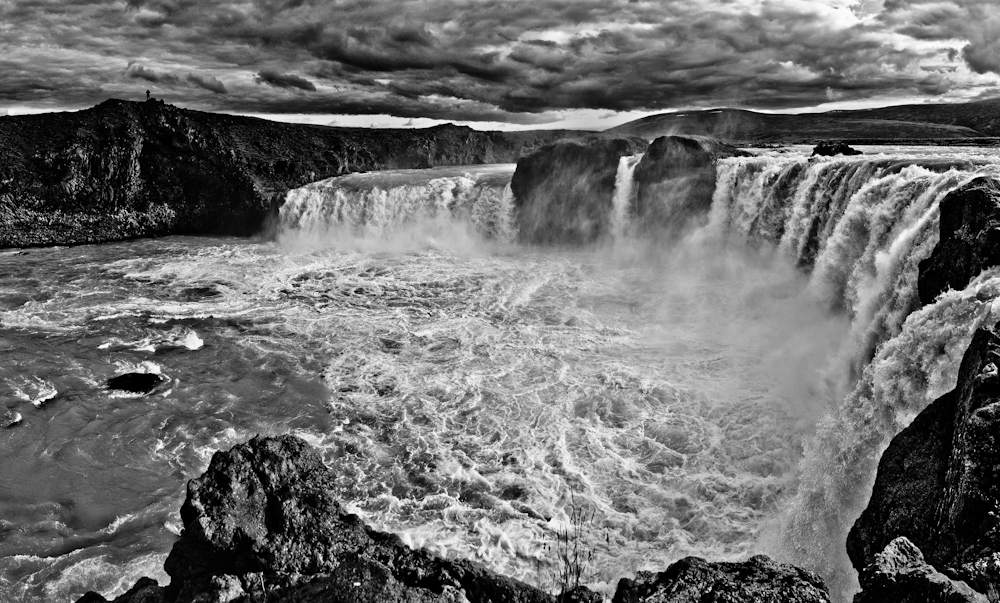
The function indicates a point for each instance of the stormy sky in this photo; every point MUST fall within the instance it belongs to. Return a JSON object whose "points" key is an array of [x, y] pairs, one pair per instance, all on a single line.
{"points": [[531, 62]]}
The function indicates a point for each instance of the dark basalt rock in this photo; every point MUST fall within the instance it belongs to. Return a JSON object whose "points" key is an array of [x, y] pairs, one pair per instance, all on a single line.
{"points": [[970, 239], [564, 190], [829, 148], [694, 580], [262, 524], [124, 169], [675, 181], [900, 574], [938, 482], [136, 383]]}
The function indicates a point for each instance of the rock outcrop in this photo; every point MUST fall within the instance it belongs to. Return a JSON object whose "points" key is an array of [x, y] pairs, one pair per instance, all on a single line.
{"points": [[693, 580], [675, 181], [900, 574], [938, 482], [262, 525], [830, 148], [970, 239], [563, 191], [123, 169]]}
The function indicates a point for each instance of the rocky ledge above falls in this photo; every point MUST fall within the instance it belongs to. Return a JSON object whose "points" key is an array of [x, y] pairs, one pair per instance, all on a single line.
{"points": [[565, 190], [124, 169], [938, 487], [970, 239], [262, 525]]}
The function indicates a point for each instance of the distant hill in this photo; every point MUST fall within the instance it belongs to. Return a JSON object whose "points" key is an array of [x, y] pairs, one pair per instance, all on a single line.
{"points": [[906, 122]]}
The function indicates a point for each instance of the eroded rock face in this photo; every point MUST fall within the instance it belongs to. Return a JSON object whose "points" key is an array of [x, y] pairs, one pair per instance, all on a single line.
{"points": [[900, 574], [123, 169], [563, 191], [938, 483], [970, 239], [675, 181], [693, 580], [262, 524]]}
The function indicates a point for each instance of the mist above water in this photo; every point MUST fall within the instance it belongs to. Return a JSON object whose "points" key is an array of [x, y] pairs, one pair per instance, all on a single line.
{"points": [[723, 393]]}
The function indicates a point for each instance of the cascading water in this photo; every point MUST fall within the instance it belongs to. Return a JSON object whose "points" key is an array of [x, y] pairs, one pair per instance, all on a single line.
{"points": [[860, 226], [380, 206], [621, 201], [726, 395]]}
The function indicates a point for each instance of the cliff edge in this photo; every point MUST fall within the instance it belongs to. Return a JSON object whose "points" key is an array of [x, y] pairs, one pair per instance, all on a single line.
{"points": [[124, 169]]}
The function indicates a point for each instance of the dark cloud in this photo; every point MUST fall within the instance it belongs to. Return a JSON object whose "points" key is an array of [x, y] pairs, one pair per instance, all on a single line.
{"points": [[283, 80], [140, 72], [519, 62], [208, 83]]}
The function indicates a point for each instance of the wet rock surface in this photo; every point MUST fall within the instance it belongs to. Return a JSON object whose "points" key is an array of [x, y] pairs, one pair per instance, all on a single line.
{"points": [[675, 181], [262, 524], [136, 383], [900, 574], [832, 148], [970, 239], [123, 169], [757, 580], [564, 190], [938, 482]]}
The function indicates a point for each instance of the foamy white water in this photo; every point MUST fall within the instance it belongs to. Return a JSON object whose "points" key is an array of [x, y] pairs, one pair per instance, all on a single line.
{"points": [[726, 397]]}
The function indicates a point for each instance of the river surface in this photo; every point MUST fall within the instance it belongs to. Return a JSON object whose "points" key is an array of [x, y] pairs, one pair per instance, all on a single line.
{"points": [[475, 395], [469, 399]]}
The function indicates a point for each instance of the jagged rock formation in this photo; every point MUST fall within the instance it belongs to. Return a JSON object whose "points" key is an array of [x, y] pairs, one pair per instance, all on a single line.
{"points": [[829, 148], [262, 525], [692, 580], [900, 574], [970, 239], [938, 483], [675, 181], [125, 169], [564, 190]]}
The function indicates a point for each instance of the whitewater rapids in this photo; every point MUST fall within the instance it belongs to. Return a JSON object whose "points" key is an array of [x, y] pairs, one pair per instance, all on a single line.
{"points": [[724, 396]]}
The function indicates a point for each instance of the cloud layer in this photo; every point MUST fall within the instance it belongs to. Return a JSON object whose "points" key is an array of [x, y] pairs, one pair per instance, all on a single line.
{"points": [[521, 61]]}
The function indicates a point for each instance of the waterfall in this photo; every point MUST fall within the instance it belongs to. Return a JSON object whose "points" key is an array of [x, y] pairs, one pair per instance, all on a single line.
{"points": [[623, 197], [442, 202], [859, 227]]}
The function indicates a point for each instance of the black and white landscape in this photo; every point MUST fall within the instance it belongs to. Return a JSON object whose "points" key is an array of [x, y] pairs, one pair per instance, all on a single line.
{"points": [[605, 326]]}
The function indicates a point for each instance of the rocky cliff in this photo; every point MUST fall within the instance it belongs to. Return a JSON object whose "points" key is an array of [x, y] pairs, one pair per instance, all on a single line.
{"points": [[938, 482], [262, 525], [125, 169], [563, 191], [970, 239], [675, 181], [931, 531]]}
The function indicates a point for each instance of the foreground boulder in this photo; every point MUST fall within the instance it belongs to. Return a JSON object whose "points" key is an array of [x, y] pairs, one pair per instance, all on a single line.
{"points": [[675, 182], [262, 525], [900, 574], [693, 580], [829, 148], [970, 239], [938, 482], [563, 191]]}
